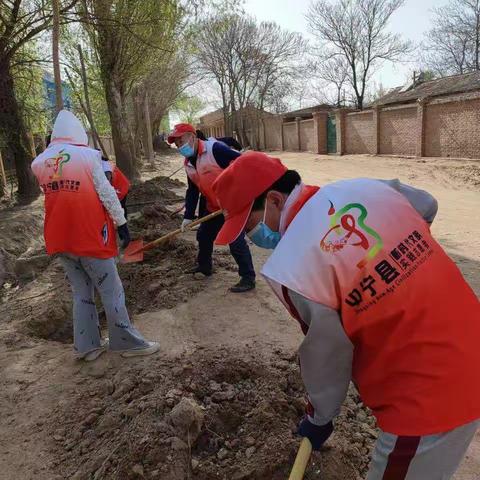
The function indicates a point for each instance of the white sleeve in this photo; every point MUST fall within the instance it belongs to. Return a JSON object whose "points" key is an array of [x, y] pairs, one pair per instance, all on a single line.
{"points": [[107, 194], [107, 166], [423, 202], [326, 356]]}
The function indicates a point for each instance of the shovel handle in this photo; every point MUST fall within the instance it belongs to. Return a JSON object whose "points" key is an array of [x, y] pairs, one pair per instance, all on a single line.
{"points": [[169, 235], [301, 461]]}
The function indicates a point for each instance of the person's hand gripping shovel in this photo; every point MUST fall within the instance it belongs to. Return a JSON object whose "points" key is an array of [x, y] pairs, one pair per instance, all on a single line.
{"points": [[135, 250], [314, 436]]}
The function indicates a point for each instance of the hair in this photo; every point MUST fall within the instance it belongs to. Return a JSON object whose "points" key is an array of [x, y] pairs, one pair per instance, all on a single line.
{"points": [[201, 135], [285, 184]]}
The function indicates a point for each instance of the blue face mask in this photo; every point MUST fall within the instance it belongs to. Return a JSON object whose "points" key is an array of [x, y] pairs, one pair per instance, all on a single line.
{"points": [[263, 236], [186, 150]]}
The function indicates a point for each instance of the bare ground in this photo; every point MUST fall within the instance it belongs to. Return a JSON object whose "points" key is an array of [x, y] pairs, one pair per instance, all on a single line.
{"points": [[234, 356]]}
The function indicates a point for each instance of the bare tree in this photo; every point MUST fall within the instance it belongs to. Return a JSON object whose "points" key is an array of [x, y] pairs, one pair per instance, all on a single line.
{"points": [[21, 21], [248, 61], [356, 31], [332, 77], [452, 46]]}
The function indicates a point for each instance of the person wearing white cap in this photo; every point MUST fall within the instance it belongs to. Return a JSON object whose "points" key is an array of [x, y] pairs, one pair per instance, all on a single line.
{"points": [[81, 212]]}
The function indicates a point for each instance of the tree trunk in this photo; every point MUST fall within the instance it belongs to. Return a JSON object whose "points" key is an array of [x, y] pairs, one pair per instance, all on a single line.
{"points": [[13, 130], [148, 140], [120, 130], [56, 56]]}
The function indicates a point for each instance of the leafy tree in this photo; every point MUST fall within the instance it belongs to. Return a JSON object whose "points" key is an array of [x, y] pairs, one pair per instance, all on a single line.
{"points": [[188, 108], [21, 22]]}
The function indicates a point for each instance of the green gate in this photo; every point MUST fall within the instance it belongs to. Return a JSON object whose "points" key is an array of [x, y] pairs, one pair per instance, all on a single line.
{"points": [[331, 135]]}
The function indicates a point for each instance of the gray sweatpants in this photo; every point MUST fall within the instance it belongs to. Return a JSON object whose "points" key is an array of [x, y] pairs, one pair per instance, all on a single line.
{"points": [[85, 274], [432, 457]]}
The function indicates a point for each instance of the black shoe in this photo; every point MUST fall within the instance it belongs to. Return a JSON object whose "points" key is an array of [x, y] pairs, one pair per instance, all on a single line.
{"points": [[244, 285], [197, 269]]}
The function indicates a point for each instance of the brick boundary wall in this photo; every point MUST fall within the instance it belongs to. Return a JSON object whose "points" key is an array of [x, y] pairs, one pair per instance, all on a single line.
{"points": [[446, 126], [359, 132], [397, 131]]}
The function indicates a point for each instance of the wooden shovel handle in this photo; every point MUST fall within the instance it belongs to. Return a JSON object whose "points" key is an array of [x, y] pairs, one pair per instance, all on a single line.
{"points": [[301, 462], [169, 235]]}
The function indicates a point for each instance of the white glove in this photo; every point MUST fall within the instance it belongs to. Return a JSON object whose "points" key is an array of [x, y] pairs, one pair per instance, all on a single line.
{"points": [[185, 222]]}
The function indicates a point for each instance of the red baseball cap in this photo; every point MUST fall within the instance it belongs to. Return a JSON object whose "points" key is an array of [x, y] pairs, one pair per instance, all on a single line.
{"points": [[178, 130], [239, 185]]}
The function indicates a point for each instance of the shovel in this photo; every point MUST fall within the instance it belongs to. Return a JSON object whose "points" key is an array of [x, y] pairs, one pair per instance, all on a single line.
{"points": [[134, 251], [301, 462]]}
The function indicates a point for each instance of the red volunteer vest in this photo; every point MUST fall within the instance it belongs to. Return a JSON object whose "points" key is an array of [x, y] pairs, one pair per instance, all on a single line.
{"points": [[412, 318], [120, 183], [75, 220], [206, 172]]}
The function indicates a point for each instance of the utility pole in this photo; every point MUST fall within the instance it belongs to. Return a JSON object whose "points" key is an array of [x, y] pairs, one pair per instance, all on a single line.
{"points": [[56, 55]]}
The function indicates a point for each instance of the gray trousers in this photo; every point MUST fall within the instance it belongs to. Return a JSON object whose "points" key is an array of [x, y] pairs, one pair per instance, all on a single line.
{"points": [[85, 274], [432, 457]]}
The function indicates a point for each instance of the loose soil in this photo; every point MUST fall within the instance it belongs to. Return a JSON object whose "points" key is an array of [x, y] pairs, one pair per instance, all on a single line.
{"points": [[222, 398]]}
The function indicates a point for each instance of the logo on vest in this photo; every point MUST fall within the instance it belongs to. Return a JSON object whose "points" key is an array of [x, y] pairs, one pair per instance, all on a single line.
{"points": [[344, 232], [57, 164]]}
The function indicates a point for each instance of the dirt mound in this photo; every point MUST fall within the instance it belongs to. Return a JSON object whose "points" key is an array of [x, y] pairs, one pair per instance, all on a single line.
{"points": [[468, 174], [39, 300], [217, 414], [156, 189]]}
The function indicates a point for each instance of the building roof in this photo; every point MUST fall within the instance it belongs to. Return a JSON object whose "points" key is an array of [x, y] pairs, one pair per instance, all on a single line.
{"points": [[307, 112], [217, 115], [433, 88]]}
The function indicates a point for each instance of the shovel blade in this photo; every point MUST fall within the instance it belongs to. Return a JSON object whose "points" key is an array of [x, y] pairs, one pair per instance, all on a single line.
{"points": [[134, 252]]}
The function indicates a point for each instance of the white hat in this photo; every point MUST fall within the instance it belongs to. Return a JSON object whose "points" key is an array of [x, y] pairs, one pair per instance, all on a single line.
{"points": [[68, 129]]}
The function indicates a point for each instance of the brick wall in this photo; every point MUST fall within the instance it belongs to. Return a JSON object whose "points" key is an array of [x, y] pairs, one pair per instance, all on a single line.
{"points": [[359, 132], [273, 134], [397, 131], [307, 137], [290, 136], [453, 129]]}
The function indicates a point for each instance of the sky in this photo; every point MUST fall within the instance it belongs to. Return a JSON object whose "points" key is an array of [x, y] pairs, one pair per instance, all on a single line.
{"points": [[411, 21]]}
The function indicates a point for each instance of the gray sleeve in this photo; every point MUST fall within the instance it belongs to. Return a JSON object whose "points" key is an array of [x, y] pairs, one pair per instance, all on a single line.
{"points": [[107, 195], [423, 202], [325, 357]]}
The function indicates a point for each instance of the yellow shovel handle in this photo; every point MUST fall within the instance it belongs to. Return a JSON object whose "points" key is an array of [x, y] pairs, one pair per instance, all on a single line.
{"points": [[301, 462]]}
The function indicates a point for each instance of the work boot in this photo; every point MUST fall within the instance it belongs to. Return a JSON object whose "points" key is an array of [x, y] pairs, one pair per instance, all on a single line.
{"points": [[244, 285], [197, 269]]}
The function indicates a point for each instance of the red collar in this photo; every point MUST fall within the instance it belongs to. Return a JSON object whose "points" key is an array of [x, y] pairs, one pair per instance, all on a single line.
{"points": [[308, 191]]}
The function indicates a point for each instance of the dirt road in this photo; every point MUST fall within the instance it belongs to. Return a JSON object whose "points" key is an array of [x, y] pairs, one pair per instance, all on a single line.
{"points": [[38, 378]]}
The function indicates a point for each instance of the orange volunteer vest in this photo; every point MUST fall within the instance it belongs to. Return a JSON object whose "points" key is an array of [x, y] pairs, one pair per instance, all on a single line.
{"points": [[120, 182], [75, 220], [206, 172], [359, 247]]}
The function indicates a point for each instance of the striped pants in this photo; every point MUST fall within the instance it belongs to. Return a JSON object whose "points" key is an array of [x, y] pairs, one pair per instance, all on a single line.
{"points": [[432, 457]]}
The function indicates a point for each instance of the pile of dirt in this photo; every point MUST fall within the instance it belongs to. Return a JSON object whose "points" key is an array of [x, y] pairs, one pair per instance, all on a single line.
{"points": [[158, 189], [217, 414], [38, 300], [464, 174]]}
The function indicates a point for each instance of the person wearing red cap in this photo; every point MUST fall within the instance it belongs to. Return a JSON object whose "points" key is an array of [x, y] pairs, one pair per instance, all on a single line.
{"points": [[205, 160], [380, 304]]}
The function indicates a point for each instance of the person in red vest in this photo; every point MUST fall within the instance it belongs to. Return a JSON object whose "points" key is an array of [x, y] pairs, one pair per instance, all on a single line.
{"points": [[380, 304], [82, 212], [118, 180], [204, 161]]}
